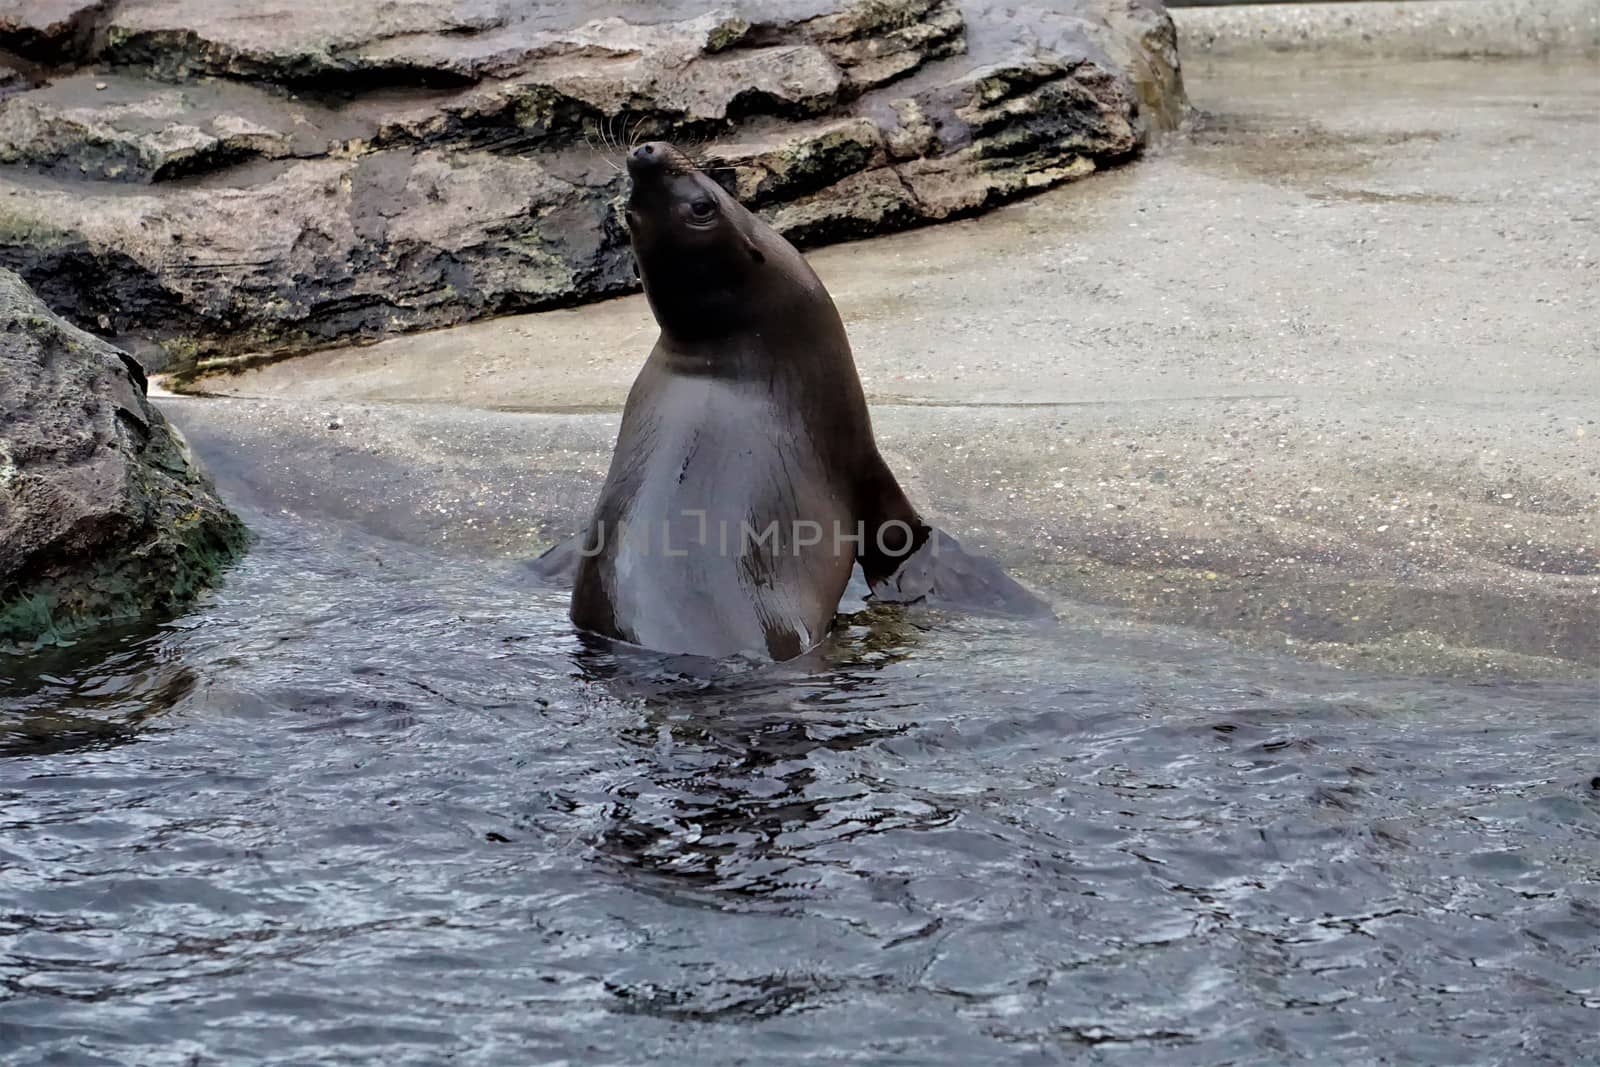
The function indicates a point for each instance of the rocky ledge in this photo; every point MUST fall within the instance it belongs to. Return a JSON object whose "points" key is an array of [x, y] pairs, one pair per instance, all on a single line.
{"points": [[103, 512], [204, 182]]}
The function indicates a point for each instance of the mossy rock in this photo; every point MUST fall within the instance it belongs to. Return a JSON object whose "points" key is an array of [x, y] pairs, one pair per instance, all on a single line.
{"points": [[104, 513]]}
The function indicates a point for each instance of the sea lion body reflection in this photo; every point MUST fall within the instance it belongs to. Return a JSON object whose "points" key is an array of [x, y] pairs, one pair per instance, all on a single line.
{"points": [[745, 483]]}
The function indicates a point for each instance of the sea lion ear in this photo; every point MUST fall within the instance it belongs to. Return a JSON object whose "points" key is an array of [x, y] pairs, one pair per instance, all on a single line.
{"points": [[755, 253]]}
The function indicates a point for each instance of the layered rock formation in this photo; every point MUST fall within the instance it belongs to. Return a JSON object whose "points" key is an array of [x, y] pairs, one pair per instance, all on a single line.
{"points": [[206, 180], [103, 513]]}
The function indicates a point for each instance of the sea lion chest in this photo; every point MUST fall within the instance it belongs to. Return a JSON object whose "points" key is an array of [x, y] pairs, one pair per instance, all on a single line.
{"points": [[720, 528]]}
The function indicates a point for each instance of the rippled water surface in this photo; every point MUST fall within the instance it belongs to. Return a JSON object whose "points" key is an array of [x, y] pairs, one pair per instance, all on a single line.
{"points": [[369, 806]]}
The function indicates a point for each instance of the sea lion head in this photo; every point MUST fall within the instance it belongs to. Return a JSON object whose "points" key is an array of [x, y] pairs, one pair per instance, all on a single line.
{"points": [[706, 262]]}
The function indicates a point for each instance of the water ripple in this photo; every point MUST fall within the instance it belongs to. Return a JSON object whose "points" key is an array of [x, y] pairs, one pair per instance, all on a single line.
{"points": [[365, 805]]}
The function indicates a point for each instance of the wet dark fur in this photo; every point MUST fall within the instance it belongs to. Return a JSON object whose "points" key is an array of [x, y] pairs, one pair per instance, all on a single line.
{"points": [[749, 410]]}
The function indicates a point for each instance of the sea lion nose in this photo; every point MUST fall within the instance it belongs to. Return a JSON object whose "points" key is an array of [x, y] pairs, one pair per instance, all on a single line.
{"points": [[648, 158]]}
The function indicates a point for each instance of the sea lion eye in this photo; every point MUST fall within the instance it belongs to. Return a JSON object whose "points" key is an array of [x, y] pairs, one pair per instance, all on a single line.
{"points": [[702, 208]]}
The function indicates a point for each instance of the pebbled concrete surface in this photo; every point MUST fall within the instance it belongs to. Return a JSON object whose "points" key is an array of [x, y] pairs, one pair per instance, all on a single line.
{"points": [[1408, 29], [1321, 374]]}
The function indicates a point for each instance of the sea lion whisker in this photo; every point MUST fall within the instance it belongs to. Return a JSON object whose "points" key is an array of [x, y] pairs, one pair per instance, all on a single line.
{"points": [[699, 160], [633, 136], [613, 151], [589, 137]]}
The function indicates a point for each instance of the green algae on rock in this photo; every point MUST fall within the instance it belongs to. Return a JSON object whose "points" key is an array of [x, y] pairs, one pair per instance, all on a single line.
{"points": [[104, 514]]}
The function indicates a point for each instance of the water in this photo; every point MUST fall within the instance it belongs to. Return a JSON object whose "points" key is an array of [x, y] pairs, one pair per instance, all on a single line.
{"points": [[366, 805]]}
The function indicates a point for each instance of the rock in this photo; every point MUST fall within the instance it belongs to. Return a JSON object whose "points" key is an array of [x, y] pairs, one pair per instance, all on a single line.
{"points": [[322, 249], [1140, 39], [272, 178], [795, 159], [103, 513], [49, 31], [458, 42], [121, 128]]}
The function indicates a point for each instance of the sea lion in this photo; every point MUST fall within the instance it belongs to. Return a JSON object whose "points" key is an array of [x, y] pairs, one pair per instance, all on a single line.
{"points": [[746, 483]]}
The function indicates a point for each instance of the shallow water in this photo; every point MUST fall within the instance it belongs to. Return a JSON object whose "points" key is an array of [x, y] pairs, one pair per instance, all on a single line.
{"points": [[367, 805]]}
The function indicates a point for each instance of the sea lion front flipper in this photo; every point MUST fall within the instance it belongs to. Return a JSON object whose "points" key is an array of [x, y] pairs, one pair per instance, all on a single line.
{"points": [[558, 564], [936, 570], [943, 574]]}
